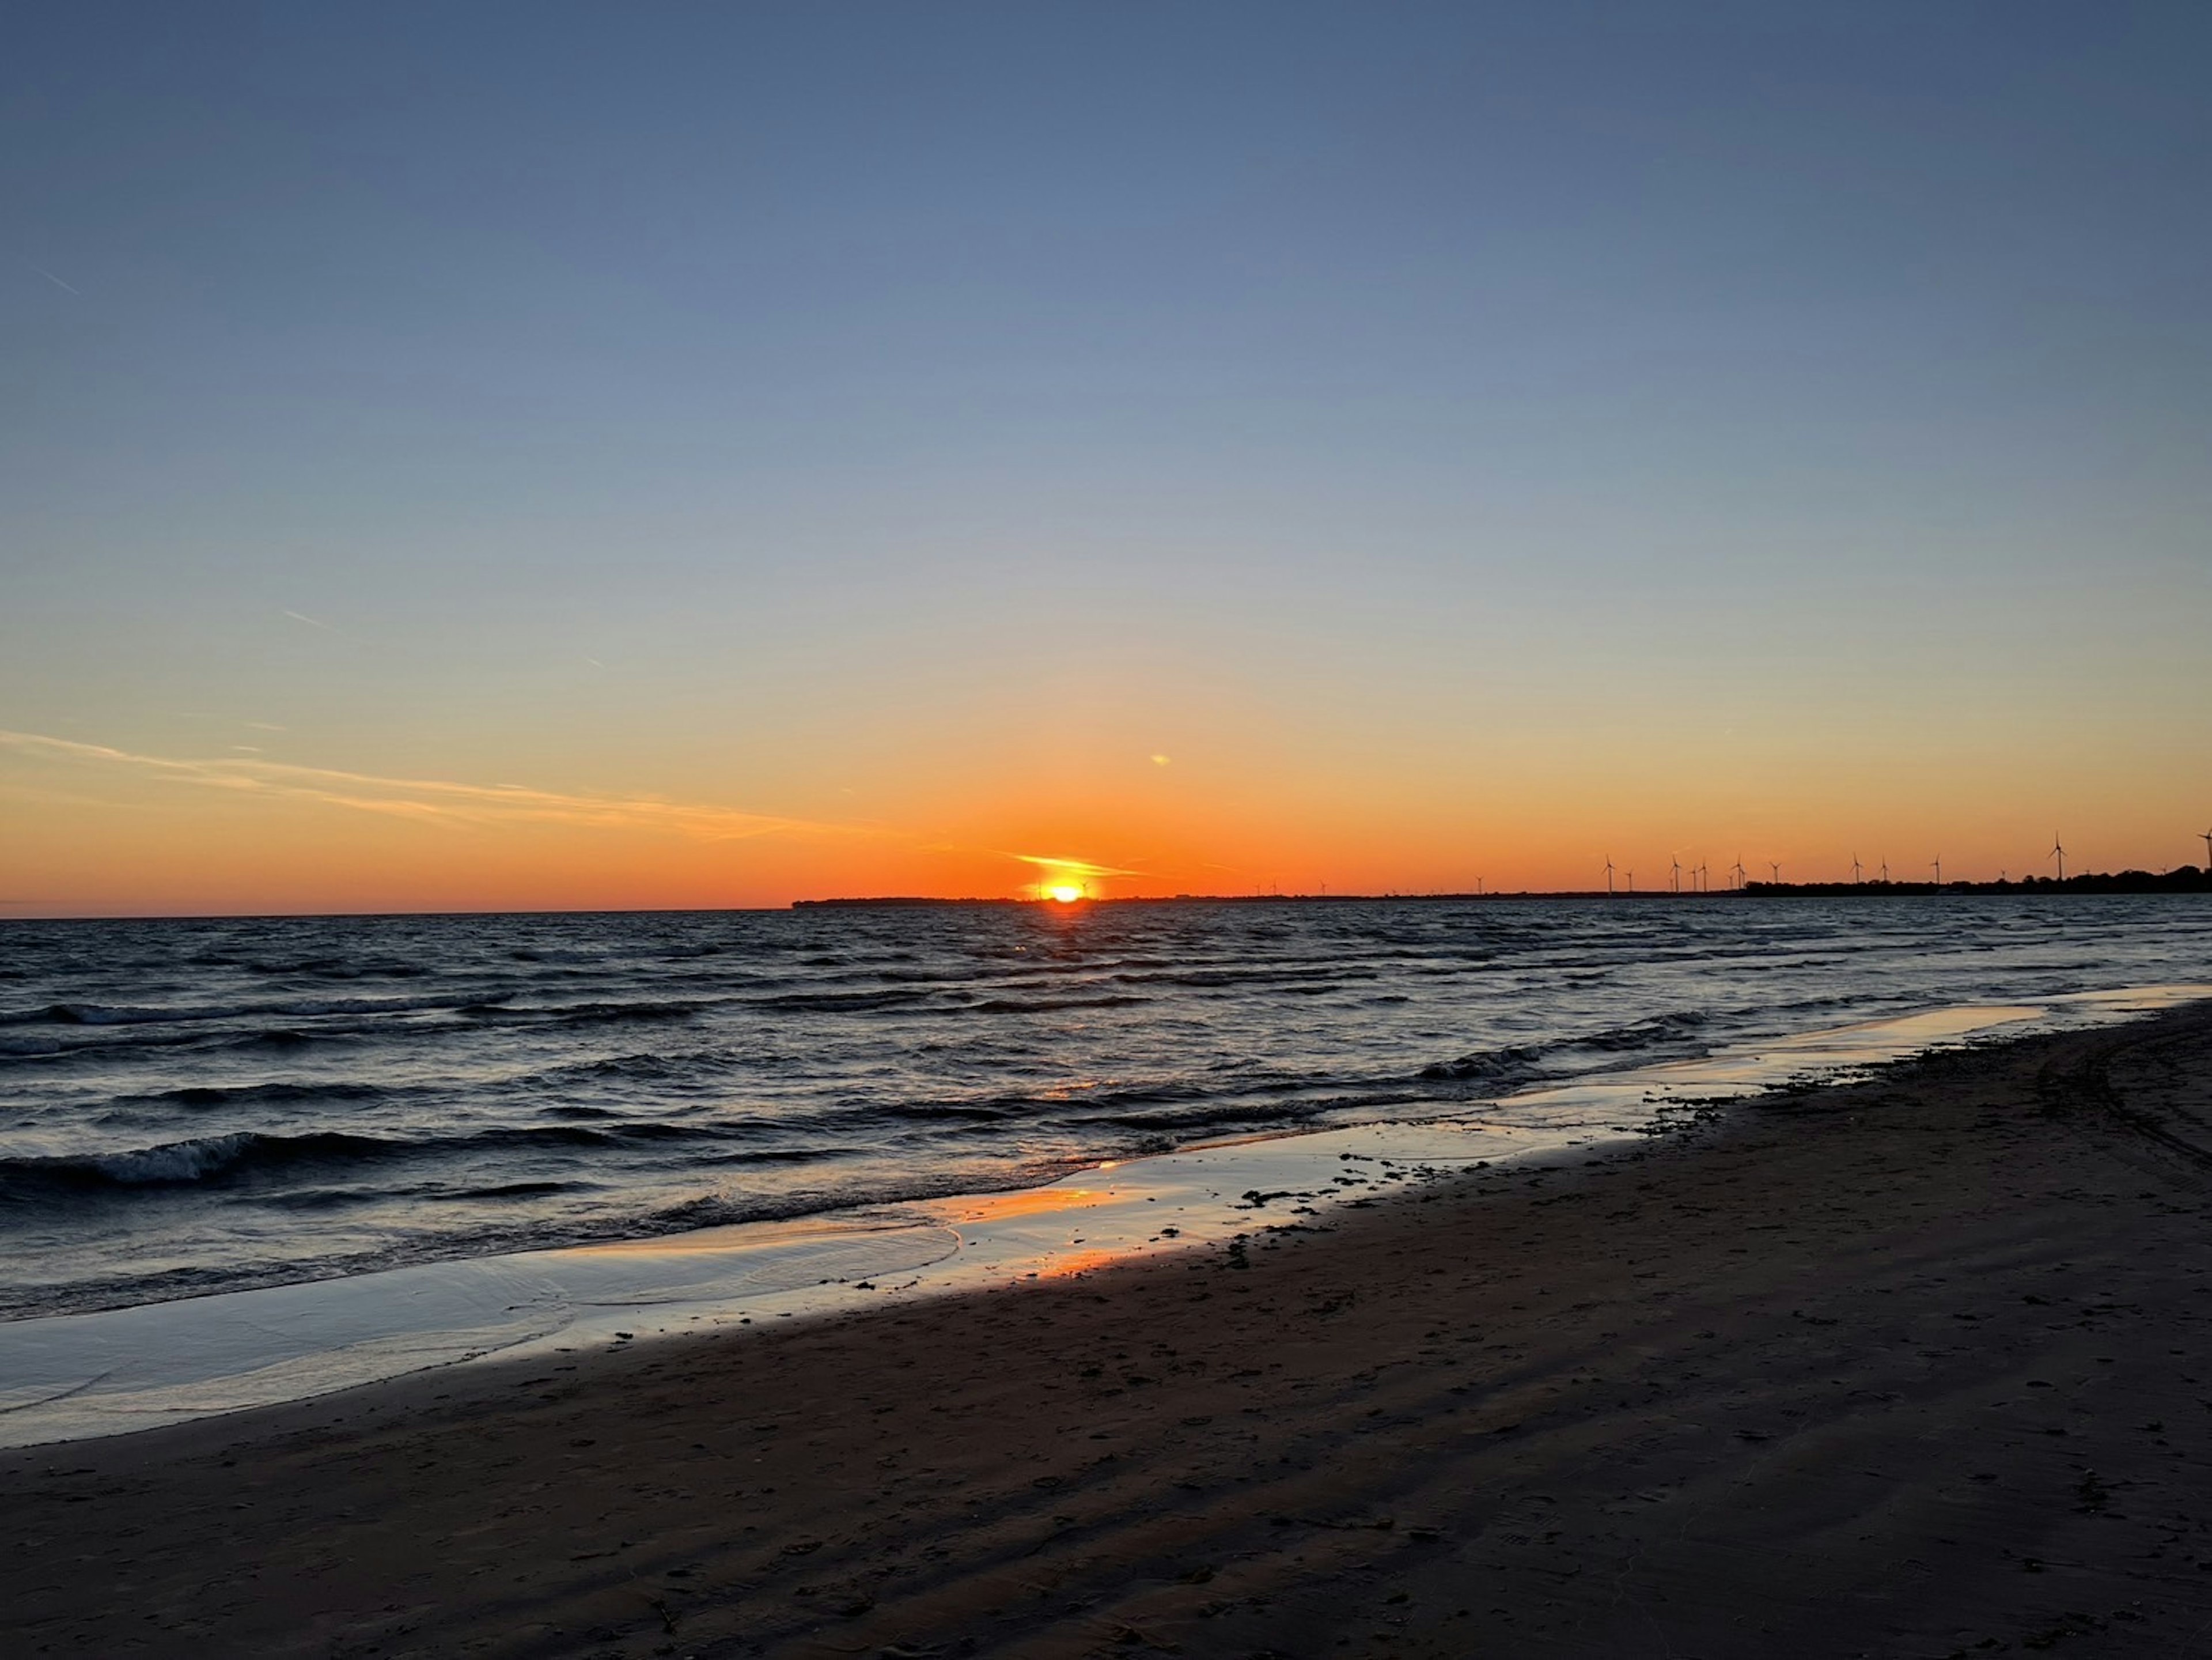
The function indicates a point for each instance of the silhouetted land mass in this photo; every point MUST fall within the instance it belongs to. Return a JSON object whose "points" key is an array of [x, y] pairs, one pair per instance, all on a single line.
{"points": [[897, 899], [2186, 879]]}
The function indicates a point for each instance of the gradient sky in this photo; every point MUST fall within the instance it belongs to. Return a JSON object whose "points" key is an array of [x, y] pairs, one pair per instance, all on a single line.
{"points": [[487, 456]]}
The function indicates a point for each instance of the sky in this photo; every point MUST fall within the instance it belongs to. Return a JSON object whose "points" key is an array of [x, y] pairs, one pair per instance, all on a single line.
{"points": [[486, 457]]}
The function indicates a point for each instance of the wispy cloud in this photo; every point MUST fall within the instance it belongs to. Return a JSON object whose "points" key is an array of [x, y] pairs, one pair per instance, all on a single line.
{"points": [[1070, 867], [51, 277], [433, 800], [316, 624]]}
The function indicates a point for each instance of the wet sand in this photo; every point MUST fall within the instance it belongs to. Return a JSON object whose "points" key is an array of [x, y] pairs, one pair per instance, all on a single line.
{"points": [[1919, 1366]]}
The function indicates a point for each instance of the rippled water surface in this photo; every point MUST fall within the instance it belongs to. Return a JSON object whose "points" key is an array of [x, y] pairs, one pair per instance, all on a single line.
{"points": [[191, 1106]]}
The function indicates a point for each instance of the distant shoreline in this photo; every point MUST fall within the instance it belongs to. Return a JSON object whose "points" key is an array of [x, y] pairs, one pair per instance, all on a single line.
{"points": [[2187, 879]]}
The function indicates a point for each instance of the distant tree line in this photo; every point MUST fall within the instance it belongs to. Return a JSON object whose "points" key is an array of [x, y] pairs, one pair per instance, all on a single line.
{"points": [[2186, 879]]}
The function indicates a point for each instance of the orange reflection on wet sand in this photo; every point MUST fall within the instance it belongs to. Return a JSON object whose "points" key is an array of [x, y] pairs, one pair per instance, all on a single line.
{"points": [[1051, 1233], [1034, 1202]]}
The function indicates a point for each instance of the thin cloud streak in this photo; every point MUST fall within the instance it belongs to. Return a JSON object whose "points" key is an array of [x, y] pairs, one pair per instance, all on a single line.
{"points": [[436, 800], [51, 277], [1072, 866]]}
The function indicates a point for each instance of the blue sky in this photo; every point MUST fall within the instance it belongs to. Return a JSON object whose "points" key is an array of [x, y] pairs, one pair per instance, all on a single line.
{"points": [[789, 406]]}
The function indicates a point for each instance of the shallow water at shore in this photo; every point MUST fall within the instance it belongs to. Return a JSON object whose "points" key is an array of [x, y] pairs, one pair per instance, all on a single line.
{"points": [[195, 1107], [71, 1376]]}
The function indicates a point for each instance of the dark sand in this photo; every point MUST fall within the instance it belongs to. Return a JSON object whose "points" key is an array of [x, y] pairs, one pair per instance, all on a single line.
{"points": [[1918, 1367]]}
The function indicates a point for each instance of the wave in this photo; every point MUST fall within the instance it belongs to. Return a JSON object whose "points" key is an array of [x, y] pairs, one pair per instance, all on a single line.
{"points": [[247, 1095], [980, 1112], [844, 1002], [1216, 1116], [123, 1031], [245, 1154], [124, 1042], [777, 1156], [1648, 1033], [1202, 979], [323, 968], [124, 1014], [1049, 1004], [192, 1160], [1518, 1064], [584, 1014], [1075, 1104], [680, 1068], [513, 1190]]}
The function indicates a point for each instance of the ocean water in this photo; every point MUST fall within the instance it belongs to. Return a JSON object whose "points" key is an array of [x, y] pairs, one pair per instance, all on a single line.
{"points": [[195, 1106]]}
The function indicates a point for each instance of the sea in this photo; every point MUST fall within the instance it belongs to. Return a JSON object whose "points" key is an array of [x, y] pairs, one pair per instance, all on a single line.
{"points": [[197, 1106]]}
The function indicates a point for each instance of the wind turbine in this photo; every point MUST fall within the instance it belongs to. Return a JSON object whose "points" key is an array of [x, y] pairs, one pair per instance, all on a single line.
{"points": [[1677, 877], [1858, 879], [2058, 851], [1884, 872], [2208, 850], [1740, 873], [1632, 880], [1609, 874], [1776, 869], [1938, 863]]}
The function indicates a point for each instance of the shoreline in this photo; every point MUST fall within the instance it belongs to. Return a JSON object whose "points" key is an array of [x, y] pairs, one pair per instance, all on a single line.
{"points": [[1900, 1366], [71, 1377]]}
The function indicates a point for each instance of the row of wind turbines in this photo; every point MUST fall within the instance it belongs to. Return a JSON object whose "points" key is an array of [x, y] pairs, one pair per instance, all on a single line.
{"points": [[1701, 876]]}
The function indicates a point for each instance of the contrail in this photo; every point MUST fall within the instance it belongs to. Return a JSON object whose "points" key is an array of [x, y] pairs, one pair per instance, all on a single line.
{"points": [[51, 277]]}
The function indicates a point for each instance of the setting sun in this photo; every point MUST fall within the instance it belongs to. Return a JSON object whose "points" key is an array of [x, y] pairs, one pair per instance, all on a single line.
{"points": [[1065, 893]]}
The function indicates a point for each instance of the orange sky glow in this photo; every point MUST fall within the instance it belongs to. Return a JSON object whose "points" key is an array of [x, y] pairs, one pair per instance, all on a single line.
{"points": [[93, 829], [756, 458]]}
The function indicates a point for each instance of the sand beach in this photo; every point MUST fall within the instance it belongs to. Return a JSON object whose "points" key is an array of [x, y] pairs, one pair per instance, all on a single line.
{"points": [[1917, 1366]]}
